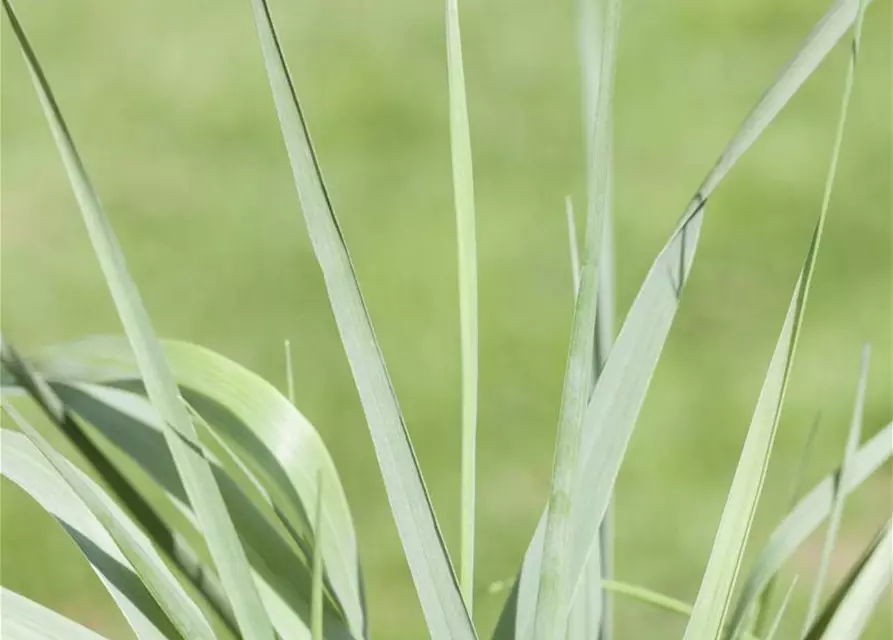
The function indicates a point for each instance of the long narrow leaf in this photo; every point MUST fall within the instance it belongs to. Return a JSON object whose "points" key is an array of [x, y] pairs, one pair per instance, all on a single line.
{"points": [[782, 609], [120, 553], [879, 550], [220, 535], [24, 619], [615, 398], [805, 518], [557, 578], [824, 35], [463, 195], [852, 443], [572, 242], [316, 617], [715, 595], [550, 618], [442, 604], [761, 615]]}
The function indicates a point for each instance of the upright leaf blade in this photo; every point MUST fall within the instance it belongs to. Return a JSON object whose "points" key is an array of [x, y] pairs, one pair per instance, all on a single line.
{"points": [[620, 391], [598, 35], [761, 617], [223, 543], [557, 578], [435, 582], [550, 617], [852, 443], [574, 251], [463, 195], [782, 609], [316, 617], [715, 594]]}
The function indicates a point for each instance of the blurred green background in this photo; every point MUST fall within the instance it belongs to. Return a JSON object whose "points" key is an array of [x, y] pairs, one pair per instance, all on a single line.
{"points": [[170, 107]]}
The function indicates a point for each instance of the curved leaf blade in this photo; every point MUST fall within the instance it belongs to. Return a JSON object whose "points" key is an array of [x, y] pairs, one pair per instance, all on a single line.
{"points": [[169, 541], [24, 619], [278, 444], [118, 551]]}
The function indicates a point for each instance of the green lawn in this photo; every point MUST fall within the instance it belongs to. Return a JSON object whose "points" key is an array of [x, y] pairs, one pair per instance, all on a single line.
{"points": [[170, 107]]}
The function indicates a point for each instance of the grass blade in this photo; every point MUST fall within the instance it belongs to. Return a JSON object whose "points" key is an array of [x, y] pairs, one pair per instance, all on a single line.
{"points": [[852, 443], [572, 241], [761, 618], [832, 607], [463, 195], [316, 616], [289, 373], [853, 603], [806, 517], [615, 401], [557, 578], [714, 597], [111, 541], [652, 598], [24, 619], [216, 526], [550, 617], [442, 604], [98, 379], [818, 42], [175, 546], [776, 622]]}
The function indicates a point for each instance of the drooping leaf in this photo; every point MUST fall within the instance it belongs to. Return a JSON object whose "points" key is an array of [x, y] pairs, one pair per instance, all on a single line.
{"points": [[24, 619], [429, 564], [143, 588], [20, 376], [278, 445], [217, 528]]}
